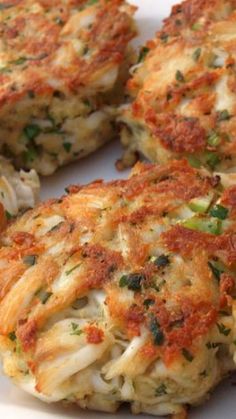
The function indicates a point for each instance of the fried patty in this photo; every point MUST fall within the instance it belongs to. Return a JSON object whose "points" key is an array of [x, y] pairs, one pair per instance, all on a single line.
{"points": [[123, 291], [63, 65], [183, 96], [18, 190]]}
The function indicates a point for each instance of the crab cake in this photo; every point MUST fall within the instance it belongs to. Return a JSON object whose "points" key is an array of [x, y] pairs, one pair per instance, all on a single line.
{"points": [[63, 65], [183, 89], [18, 190], [123, 291]]}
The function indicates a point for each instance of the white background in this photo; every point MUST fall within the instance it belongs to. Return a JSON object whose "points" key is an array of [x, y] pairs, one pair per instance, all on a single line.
{"points": [[14, 404]]}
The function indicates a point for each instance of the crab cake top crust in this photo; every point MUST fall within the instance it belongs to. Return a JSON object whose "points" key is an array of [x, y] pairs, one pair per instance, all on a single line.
{"points": [[183, 88], [60, 45]]}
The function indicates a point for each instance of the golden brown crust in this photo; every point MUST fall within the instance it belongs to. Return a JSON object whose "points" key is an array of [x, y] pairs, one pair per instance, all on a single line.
{"points": [[180, 134], [109, 37], [63, 69], [187, 241], [183, 89], [121, 266]]}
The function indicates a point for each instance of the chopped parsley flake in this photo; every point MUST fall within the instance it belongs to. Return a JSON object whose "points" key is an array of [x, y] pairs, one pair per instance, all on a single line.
{"points": [[158, 335], [224, 115], [194, 162], [19, 61], [31, 131], [132, 281], [5, 70], [161, 261], [30, 260], [143, 53], [12, 336], [91, 2], [67, 147], [215, 270], [72, 269], [204, 224], [59, 21], [161, 390], [30, 155], [76, 331], [196, 26], [218, 211], [43, 296], [179, 76], [56, 227], [148, 302], [212, 159], [223, 329], [212, 345], [213, 139], [9, 216], [197, 54], [164, 37]]}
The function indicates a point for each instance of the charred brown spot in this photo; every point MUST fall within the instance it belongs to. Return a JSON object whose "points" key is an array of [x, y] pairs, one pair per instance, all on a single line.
{"points": [[180, 134], [101, 264]]}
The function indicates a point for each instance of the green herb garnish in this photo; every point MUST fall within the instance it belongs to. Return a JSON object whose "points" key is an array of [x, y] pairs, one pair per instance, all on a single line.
{"points": [[43, 296], [164, 37], [212, 159], [196, 26], [73, 269], [179, 76], [212, 345], [31, 131], [143, 53], [30, 155], [213, 139], [59, 21], [218, 211], [19, 61], [132, 281], [12, 336], [5, 70], [91, 2], [161, 390], [56, 227], [76, 331], [148, 302], [161, 261], [204, 224], [67, 147], [223, 329], [215, 270], [197, 53], [158, 335], [30, 260], [9, 216], [224, 115]]}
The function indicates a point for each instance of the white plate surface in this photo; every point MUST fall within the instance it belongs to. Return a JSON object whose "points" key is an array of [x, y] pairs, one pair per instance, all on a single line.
{"points": [[14, 404]]}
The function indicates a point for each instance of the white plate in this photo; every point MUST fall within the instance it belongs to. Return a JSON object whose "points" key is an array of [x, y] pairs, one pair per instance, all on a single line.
{"points": [[14, 403]]}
